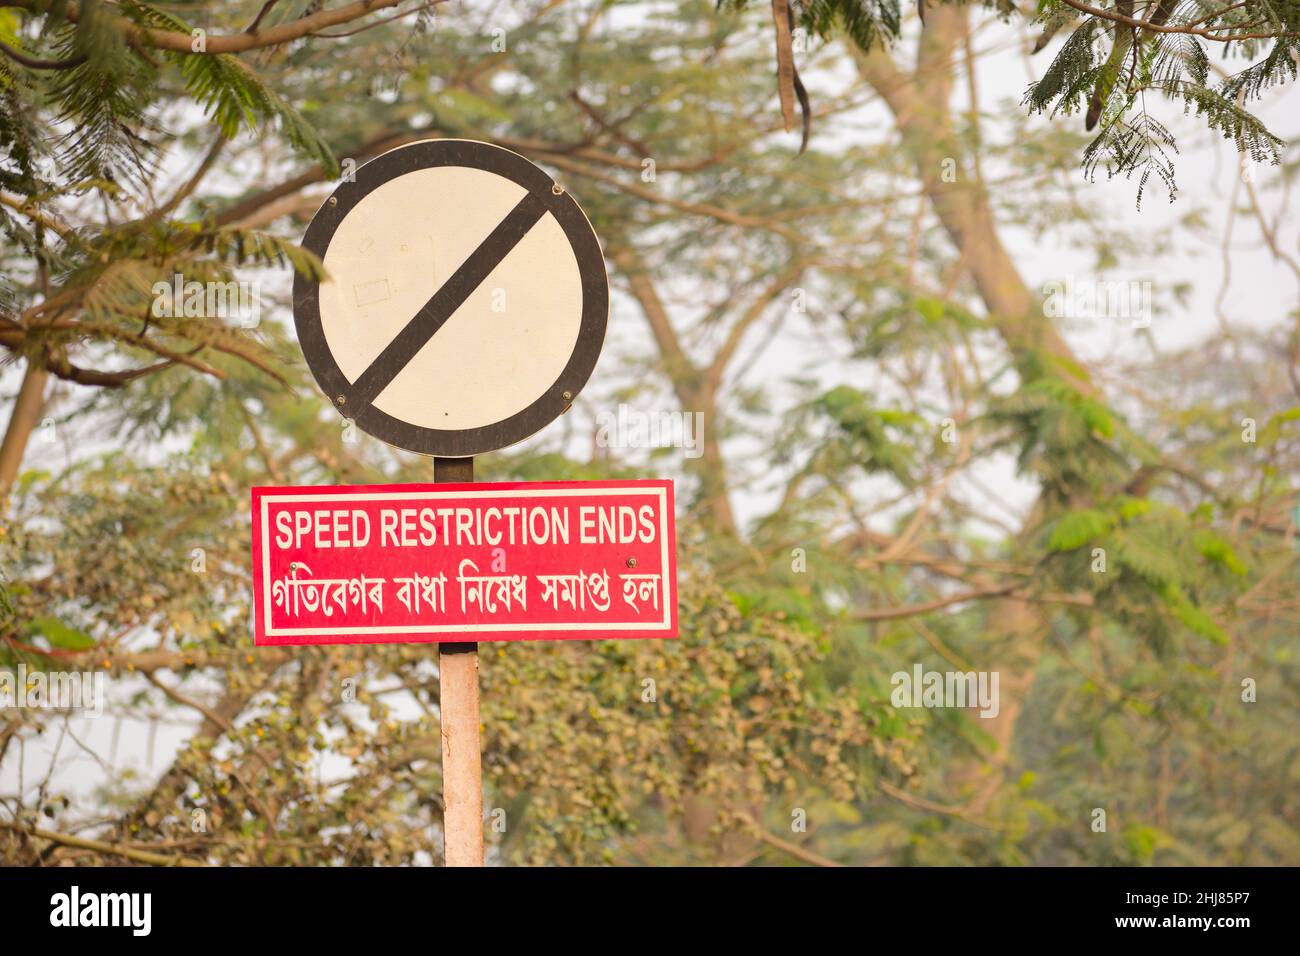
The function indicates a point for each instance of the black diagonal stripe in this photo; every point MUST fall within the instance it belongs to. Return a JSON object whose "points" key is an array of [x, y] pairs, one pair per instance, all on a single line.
{"points": [[445, 301]]}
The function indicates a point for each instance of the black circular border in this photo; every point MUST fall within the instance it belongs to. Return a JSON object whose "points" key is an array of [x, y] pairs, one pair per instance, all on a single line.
{"points": [[456, 443]]}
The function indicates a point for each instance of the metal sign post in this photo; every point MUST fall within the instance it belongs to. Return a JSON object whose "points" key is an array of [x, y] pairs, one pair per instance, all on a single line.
{"points": [[462, 764]]}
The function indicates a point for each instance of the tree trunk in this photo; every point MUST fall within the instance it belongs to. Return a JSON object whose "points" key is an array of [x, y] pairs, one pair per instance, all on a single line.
{"points": [[922, 109], [22, 421]]}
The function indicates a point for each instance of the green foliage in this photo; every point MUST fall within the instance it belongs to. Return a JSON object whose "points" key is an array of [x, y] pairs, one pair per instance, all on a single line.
{"points": [[866, 431], [865, 22], [1108, 67], [103, 101], [1141, 144], [1105, 67], [1066, 438], [1077, 528], [1072, 73], [581, 739], [233, 95], [1218, 550], [58, 634]]}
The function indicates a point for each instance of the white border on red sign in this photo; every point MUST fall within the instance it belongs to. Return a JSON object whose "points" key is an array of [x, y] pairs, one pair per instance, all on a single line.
{"points": [[661, 493]]}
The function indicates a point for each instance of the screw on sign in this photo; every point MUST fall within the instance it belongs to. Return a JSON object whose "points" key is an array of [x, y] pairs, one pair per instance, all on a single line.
{"points": [[463, 309]]}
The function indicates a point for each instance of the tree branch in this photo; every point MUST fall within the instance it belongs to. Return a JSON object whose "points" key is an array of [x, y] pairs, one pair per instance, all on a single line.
{"points": [[909, 610], [36, 63], [1155, 27], [278, 35], [785, 846], [99, 846]]}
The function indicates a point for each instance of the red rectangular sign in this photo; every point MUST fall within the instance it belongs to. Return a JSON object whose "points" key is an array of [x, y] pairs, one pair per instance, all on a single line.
{"points": [[508, 561]]}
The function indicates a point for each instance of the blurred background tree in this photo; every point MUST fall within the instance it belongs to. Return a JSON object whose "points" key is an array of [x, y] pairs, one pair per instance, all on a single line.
{"points": [[867, 353]]}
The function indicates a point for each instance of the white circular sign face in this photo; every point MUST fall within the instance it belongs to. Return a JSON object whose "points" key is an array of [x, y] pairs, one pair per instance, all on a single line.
{"points": [[465, 300]]}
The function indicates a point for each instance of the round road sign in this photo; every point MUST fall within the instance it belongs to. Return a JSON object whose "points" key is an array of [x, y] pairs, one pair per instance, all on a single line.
{"points": [[465, 300]]}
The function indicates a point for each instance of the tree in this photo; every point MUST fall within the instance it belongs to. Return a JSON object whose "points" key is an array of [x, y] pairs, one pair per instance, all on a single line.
{"points": [[914, 356], [1111, 59]]}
